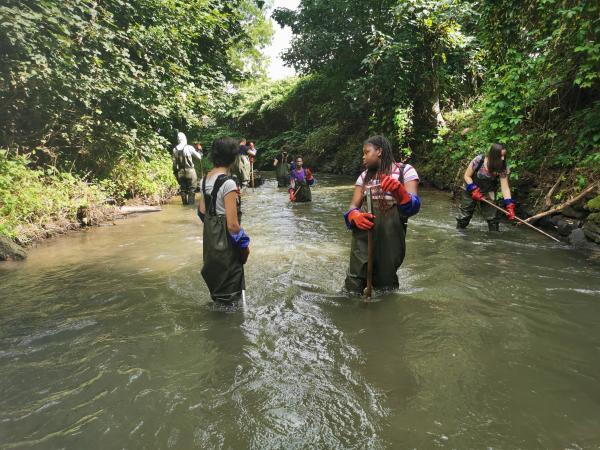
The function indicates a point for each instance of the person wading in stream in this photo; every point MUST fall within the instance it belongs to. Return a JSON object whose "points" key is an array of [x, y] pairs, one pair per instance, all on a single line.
{"points": [[225, 247], [282, 169], [393, 188], [184, 170], [301, 180], [241, 168], [482, 178]]}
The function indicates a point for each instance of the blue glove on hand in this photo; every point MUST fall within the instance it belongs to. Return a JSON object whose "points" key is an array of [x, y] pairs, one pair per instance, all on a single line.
{"points": [[411, 207], [240, 239]]}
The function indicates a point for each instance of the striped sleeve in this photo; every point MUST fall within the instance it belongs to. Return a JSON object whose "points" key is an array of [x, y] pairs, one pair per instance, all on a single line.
{"points": [[410, 174], [360, 181]]}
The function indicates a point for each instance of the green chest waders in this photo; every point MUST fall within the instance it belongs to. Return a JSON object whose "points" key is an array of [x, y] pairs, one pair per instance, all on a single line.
{"points": [[222, 270], [302, 191], [468, 205], [187, 179], [283, 175], [388, 252]]}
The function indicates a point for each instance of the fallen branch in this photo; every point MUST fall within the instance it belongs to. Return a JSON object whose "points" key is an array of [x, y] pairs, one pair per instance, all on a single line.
{"points": [[126, 210], [548, 197], [563, 205]]}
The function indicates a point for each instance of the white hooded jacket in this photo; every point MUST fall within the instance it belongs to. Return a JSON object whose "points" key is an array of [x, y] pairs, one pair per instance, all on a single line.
{"points": [[183, 154]]}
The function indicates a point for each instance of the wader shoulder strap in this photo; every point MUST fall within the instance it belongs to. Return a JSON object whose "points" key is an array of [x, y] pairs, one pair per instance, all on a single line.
{"points": [[211, 208], [400, 166], [479, 165]]}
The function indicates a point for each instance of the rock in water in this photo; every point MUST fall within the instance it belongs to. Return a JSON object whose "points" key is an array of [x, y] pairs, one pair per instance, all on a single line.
{"points": [[11, 251]]}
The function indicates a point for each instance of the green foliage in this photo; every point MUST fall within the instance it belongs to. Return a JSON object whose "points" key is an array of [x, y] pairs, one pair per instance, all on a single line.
{"points": [[149, 180], [88, 82], [34, 199], [444, 79], [594, 204], [37, 199]]}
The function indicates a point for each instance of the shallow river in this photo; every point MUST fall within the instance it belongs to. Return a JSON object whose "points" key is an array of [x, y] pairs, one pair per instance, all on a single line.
{"points": [[109, 339]]}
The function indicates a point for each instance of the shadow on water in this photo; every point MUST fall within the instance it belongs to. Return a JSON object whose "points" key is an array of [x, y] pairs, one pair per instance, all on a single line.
{"points": [[109, 339]]}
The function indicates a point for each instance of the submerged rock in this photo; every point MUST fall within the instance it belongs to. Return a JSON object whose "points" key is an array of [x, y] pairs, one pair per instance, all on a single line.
{"points": [[11, 251]]}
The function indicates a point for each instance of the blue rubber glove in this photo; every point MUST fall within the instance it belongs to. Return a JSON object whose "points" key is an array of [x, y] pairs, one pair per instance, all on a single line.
{"points": [[240, 239], [411, 207], [348, 223], [471, 187]]}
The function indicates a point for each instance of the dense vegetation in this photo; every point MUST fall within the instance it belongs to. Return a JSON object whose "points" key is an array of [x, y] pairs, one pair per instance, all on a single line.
{"points": [[94, 92], [443, 79]]}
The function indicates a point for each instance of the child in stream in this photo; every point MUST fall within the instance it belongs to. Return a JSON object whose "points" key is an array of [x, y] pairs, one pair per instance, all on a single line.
{"points": [[394, 191], [301, 180], [225, 247], [482, 177]]}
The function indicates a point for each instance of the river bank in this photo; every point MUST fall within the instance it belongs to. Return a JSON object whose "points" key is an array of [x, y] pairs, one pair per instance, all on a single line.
{"points": [[37, 203]]}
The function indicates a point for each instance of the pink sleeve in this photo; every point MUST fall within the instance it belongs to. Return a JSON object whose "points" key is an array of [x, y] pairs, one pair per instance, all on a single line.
{"points": [[475, 161], [360, 181], [410, 174]]}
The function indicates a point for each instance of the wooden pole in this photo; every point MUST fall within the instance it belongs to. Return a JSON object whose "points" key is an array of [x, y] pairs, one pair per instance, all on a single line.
{"points": [[520, 220], [369, 288], [252, 173]]}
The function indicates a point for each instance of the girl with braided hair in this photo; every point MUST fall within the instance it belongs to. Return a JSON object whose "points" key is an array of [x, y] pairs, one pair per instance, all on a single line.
{"points": [[393, 188]]}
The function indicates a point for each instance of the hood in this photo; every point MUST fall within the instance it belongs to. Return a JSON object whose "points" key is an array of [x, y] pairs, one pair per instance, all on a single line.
{"points": [[182, 141]]}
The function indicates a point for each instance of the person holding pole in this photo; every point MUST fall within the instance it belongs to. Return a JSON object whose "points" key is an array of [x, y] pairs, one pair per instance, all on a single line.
{"points": [[482, 178], [301, 180], [392, 189], [251, 155]]}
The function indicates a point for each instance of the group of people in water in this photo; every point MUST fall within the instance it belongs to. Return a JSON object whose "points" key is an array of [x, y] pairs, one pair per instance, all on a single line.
{"points": [[385, 197], [184, 170]]}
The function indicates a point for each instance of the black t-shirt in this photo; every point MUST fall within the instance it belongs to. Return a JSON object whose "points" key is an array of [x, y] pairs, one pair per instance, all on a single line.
{"points": [[243, 149]]}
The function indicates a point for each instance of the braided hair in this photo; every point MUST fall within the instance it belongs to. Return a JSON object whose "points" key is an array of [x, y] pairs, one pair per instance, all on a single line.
{"points": [[385, 167], [387, 157]]}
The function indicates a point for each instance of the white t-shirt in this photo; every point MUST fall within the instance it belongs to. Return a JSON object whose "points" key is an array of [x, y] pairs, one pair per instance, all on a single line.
{"points": [[410, 174], [226, 188]]}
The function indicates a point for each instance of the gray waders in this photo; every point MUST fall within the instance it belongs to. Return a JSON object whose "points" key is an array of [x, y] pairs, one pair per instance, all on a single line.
{"points": [[241, 169], [388, 252], [283, 175], [468, 205], [187, 179], [222, 270]]}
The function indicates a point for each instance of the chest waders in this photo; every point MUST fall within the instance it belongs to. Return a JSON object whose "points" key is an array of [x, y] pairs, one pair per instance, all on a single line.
{"points": [[283, 174], [302, 190], [187, 179], [389, 249], [468, 205], [222, 269]]}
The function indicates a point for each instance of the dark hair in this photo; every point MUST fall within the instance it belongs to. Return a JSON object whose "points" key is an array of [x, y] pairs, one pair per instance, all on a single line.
{"points": [[495, 162], [387, 155], [224, 151], [300, 157]]}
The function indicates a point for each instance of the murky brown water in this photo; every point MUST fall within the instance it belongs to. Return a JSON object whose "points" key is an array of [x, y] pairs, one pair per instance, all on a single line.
{"points": [[108, 338]]}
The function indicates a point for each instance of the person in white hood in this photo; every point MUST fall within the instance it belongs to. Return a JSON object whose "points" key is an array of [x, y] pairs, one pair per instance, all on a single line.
{"points": [[184, 170]]}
